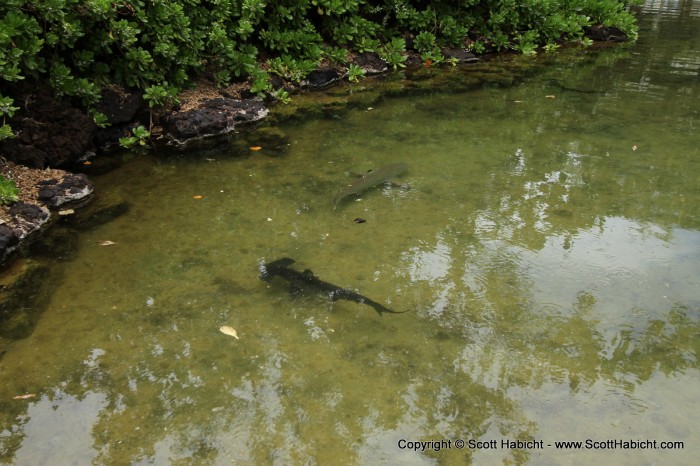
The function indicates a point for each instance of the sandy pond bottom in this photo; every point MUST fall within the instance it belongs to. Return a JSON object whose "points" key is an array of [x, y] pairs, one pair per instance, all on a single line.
{"points": [[548, 251]]}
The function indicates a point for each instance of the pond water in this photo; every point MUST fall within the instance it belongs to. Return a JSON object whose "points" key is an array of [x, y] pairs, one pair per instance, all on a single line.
{"points": [[545, 240]]}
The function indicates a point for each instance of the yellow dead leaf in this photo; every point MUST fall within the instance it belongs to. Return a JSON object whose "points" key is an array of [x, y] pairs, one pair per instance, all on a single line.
{"points": [[198, 196], [256, 148], [230, 331]]}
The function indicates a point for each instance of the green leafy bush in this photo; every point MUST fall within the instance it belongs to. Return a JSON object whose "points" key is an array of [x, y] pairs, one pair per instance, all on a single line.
{"points": [[393, 52], [8, 191], [425, 42], [6, 111], [355, 73], [139, 137], [79, 46]]}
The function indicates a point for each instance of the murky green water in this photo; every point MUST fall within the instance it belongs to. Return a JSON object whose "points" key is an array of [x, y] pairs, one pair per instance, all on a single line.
{"points": [[548, 250]]}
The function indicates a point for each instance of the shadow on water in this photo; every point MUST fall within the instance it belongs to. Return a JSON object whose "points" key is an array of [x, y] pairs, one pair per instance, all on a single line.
{"points": [[548, 248]]}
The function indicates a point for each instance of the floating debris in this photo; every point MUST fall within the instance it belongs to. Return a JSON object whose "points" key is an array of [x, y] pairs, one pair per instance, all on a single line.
{"points": [[634, 147], [24, 397], [550, 96], [66, 212], [230, 331], [198, 196], [256, 148], [106, 242], [359, 220]]}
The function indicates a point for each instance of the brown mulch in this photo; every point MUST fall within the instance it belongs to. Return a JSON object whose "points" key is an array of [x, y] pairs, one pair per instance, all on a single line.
{"points": [[204, 90]]}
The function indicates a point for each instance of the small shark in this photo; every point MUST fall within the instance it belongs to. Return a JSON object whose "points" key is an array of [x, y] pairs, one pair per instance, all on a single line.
{"points": [[560, 84], [306, 280], [370, 179]]}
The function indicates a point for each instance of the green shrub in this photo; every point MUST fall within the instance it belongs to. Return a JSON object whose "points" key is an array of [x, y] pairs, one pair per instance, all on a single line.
{"points": [[289, 68], [425, 42], [139, 137], [8, 191], [393, 52], [6, 111], [78, 46], [355, 73]]}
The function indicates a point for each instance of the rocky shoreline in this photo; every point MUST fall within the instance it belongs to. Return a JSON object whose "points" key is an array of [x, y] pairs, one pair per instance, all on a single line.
{"points": [[41, 191], [53, 132]]}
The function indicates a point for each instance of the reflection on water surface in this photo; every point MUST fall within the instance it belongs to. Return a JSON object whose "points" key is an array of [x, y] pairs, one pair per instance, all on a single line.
{"points": [[548, 250]]}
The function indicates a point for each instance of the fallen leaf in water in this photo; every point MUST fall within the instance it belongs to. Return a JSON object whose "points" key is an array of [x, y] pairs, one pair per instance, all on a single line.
{"points": [[106, 242], [66, 212], [230, 331], [24, 397], [87, 162], [198, 196], [634, 147], [256, 148], [550, 96]]}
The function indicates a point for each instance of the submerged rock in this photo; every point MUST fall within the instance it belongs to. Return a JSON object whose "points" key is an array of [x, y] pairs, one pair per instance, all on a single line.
{"points": [[273, 141], [97, 215], [56, 244], [214, 117], [18, 286]]}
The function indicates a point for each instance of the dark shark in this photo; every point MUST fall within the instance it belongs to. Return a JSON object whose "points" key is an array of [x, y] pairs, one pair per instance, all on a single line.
{"points": [[560, 84], [370, 179], [306, 280]]}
